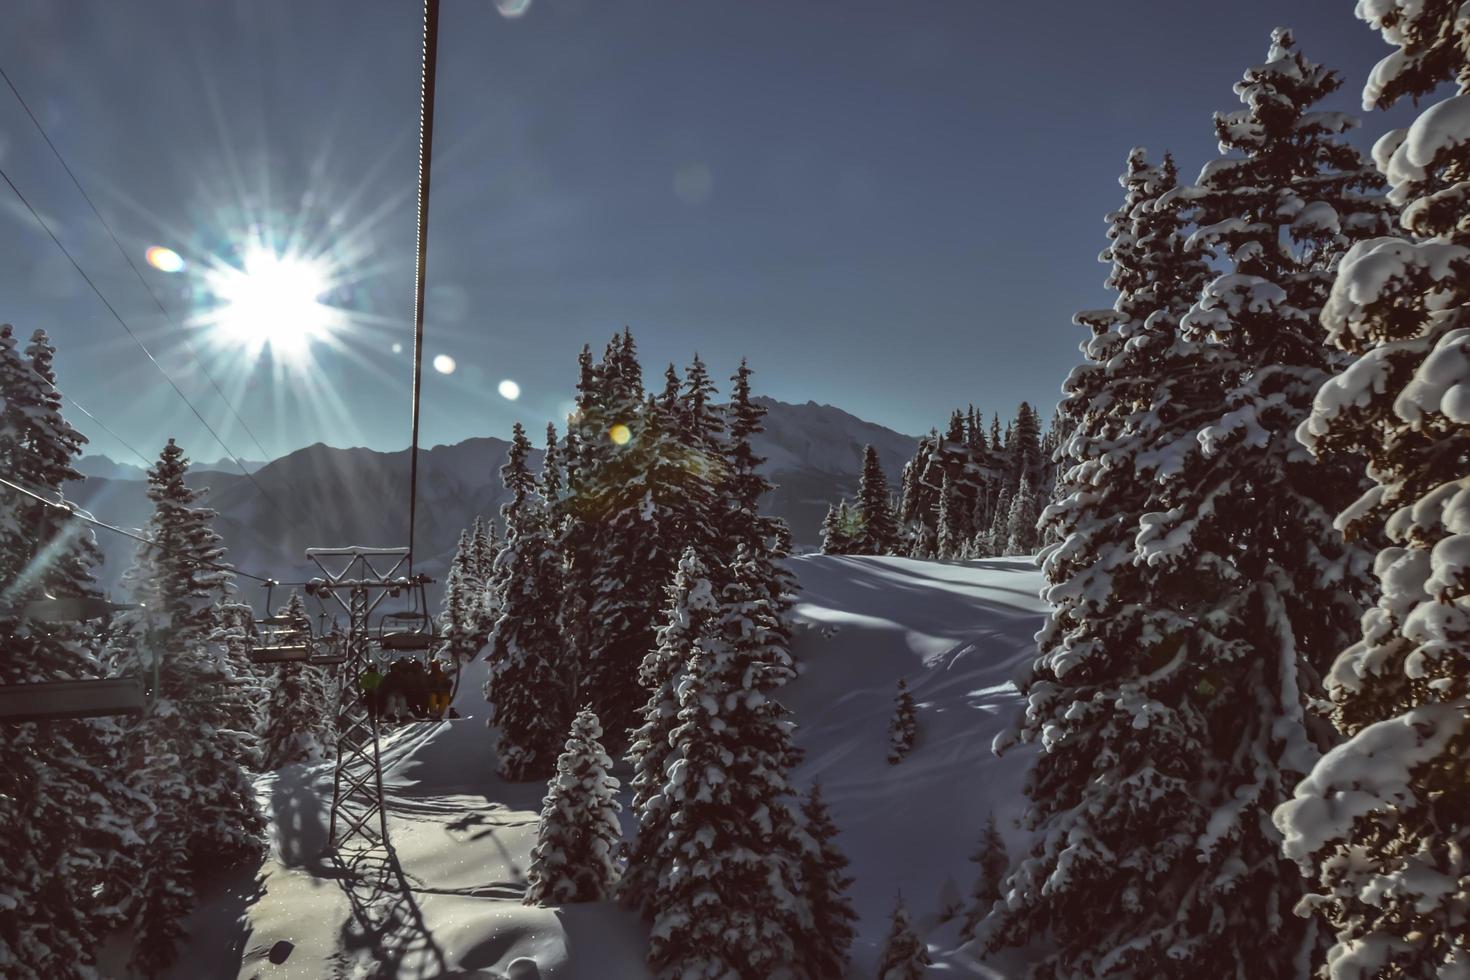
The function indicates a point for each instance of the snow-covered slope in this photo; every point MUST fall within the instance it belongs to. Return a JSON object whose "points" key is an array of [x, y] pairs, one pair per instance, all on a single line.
{"points": [[956, 631]]}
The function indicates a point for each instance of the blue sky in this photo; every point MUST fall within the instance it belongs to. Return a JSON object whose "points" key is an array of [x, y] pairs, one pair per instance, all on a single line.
{"points": [[891, 207]]}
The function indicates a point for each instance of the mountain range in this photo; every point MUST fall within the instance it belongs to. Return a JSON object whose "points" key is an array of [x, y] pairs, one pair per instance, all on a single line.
{"points": [[325, 496]]}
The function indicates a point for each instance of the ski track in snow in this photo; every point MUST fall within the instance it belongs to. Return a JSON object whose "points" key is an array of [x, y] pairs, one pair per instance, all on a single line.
{"points": [[957, 631]]}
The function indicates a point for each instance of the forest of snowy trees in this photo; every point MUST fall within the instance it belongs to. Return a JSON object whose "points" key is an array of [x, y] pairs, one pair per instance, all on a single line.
{"points": [[965, 494], [1250, 698]]}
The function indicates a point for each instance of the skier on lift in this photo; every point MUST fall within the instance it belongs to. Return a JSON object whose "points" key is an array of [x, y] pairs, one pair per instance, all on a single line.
{"points": [[440, 687]]}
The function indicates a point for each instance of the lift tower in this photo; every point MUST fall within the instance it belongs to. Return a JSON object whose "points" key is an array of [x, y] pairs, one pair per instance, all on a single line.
{"points": [[359, 579]]}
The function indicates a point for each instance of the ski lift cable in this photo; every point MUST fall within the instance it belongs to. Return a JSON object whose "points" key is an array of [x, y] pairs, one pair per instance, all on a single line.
{"points": [[86, 518], [188, 345], [136, 339], [426, 154], [101, 424]]}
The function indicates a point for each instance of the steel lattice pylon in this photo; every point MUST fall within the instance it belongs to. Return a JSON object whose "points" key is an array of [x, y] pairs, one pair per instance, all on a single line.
{"points": [[358, 583]]}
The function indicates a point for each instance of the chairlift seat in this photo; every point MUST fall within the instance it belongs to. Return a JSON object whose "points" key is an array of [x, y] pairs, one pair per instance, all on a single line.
{"points": [[406, 640], [280, 654], [293, 622], [328, 659], [71, 699]]}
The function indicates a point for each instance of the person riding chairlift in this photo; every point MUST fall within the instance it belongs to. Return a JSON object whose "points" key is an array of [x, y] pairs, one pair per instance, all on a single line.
{"points": [[440, 688]]}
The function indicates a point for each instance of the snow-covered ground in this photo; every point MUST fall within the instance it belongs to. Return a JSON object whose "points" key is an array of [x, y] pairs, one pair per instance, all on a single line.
{"points": [[957, 631]]}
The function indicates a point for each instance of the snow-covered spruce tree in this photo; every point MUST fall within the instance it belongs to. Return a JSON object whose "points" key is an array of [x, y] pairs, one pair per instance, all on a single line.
{"points": [[904, 955], [878, 533], [728, 898], [462, 618], [691, 605], [951, 530], [1021, 533], [529, 689], [67, 820], [903, 727], [575, 857], [1000, 524], [484, 547], [1381, 825], [622, 541], [990, 861], [192, 749], [294, 707], [1190, 626], [1024, 453], [824, 885], [831, 532], [1113, 698]]}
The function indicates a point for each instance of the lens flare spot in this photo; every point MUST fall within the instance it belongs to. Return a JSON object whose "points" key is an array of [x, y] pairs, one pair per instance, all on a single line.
{"points": [[512, 9], [620, 434], [164, 259], [444, 364], [509, 390], [398, 348]]}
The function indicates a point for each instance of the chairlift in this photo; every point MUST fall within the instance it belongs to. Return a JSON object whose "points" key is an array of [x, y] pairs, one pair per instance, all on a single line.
{"points": [[410, 630], [91, 698]]}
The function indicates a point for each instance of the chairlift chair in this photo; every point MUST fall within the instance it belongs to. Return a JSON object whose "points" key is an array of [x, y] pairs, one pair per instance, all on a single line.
{"points": [[90, 698]]}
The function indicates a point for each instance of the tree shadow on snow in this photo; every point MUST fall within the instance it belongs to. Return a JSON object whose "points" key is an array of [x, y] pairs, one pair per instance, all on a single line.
{"points": [[219, 927], [300, 819]]}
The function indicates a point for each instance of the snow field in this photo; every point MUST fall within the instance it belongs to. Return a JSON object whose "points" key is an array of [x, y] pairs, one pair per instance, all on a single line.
{"points": [[957, 631]]}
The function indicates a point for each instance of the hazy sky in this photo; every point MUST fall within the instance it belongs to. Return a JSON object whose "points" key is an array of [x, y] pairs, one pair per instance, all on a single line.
{"points": [[891, 207]]}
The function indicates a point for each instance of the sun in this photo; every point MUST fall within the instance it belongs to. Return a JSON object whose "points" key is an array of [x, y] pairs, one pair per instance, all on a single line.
{"points": [[271, 300]]}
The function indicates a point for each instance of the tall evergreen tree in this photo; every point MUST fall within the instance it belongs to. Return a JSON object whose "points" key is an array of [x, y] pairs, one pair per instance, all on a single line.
{"points": [[824, 885], [990, 869], [903, 727], [952, 525], [192, 749], [878, 534], [67, 820], [1026, 459], [1381, 825], [575, 857], [294, 707], [692, 603], [529, 688], [1021, 533], [462, 620], [904, 955], [728, 898], [1234, 603]]}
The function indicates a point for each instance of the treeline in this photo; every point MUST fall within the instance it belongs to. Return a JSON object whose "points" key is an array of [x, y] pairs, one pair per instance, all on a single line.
{"points": [[965, 494], [1255, 758], [638, 607], [106, 824]]}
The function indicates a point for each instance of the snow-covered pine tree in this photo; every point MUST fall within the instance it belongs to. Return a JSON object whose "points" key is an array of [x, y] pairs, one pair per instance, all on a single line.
{"points": [[728, 898], [999, 534], [623, 539], [903, 727], [192, 749], [294, 707], [484, 547], [1024, 448], [1113, 802], [990, 861], [1189, 625], [951, 521], [529, 689], [575, 857], [824, 885], [904, 955], [462, 617], [1021, 533], [691, 605], [878, 532], [67, 820], [1381, 825], [832, 531]]}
